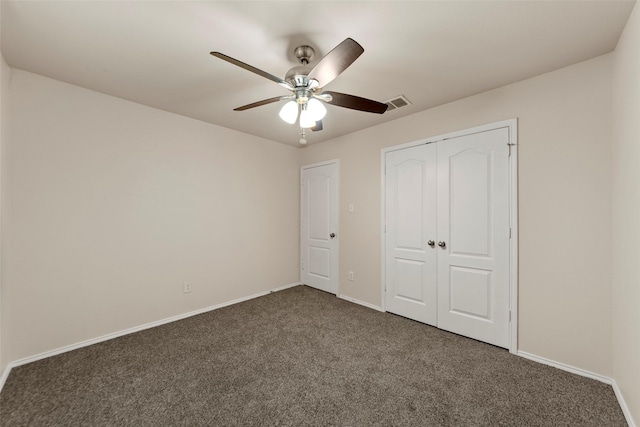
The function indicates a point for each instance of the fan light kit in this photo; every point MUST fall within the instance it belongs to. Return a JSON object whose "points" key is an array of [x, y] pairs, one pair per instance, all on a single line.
{"points": [[306, 104]]}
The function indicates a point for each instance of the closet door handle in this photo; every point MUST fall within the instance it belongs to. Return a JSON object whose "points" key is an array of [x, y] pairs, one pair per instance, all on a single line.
{"points": [[442, 244], [431, 243]]}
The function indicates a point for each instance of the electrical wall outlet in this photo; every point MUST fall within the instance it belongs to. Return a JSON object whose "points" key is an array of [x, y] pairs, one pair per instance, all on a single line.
{"points": [[186, 288], [351, 276]]}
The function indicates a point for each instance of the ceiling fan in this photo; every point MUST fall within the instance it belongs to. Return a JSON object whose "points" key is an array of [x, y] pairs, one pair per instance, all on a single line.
{"points": [[307, 85]]}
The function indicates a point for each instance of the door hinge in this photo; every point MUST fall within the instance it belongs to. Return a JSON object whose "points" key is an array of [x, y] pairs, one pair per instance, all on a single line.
{"points": [[509, 315], [509, 232], [509, 145]]}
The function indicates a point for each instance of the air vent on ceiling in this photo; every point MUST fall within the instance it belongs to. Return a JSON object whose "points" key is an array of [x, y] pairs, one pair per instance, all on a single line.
{"points": [[397, 102]]}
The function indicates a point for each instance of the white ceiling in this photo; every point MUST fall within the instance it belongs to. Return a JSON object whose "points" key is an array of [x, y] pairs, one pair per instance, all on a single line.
{"points": [[157, 53]]}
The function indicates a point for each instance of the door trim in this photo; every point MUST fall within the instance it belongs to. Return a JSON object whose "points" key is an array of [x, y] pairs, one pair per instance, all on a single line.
{"points": [[301, 256], [512, 126]]}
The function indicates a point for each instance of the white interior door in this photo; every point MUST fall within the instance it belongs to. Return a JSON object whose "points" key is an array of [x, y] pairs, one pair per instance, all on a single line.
{"points": [[410, 189], [319, 226], [453, 193], [473, 229]]}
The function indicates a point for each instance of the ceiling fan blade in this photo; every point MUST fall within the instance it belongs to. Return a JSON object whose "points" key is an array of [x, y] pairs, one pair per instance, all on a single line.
{"points": [[252, 69], [317, 127], [356, 103], [336, 61], [260, 103]]}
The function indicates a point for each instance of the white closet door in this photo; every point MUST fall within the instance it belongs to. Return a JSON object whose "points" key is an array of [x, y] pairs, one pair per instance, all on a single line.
{"points": [[410, 189], [454, 193], [473, 236]]}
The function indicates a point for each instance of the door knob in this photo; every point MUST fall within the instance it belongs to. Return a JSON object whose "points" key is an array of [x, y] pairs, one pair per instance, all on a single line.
{"points": [[332, 235], [442, 244], [431, 243]]}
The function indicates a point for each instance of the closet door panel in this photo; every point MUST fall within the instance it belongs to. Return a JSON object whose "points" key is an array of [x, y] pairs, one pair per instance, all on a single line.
{"points": [[410, 212], [473, 226]]}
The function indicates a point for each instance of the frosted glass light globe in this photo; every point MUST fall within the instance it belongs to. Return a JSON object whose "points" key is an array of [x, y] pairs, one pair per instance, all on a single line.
{"points": [[306, 121], [289, 112], [316, 109]]}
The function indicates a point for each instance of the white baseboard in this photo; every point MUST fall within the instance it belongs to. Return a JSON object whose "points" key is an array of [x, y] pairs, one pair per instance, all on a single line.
{"points": [[356, 301], [5, 375], [623, 404], [564, 367], [128, 331], [584, 373], [281, 288]]}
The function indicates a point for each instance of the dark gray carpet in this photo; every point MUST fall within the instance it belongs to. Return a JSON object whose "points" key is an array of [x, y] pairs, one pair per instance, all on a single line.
{"points": [[299, 357]]}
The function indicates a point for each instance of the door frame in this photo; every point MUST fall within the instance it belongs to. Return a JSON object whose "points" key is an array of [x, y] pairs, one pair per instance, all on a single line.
{"points": [[337, 256], [512, 126]]}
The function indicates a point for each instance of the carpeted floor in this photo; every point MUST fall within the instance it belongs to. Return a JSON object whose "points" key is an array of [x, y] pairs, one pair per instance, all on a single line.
{"points": [[299, 357]]}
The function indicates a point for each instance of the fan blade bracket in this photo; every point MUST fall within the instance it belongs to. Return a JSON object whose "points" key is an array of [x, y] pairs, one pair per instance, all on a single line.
{"points": [[323, 97], [313, 85]]}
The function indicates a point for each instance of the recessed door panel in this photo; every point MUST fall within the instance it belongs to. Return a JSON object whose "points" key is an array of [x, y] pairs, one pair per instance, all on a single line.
{"points": [[470, 202], [409, 204], [319, 262], [318, 199], [470, 292], [408, 273]]}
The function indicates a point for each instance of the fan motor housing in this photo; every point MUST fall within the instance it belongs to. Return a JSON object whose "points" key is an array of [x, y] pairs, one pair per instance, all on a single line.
{"points": [[297, 76]]}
